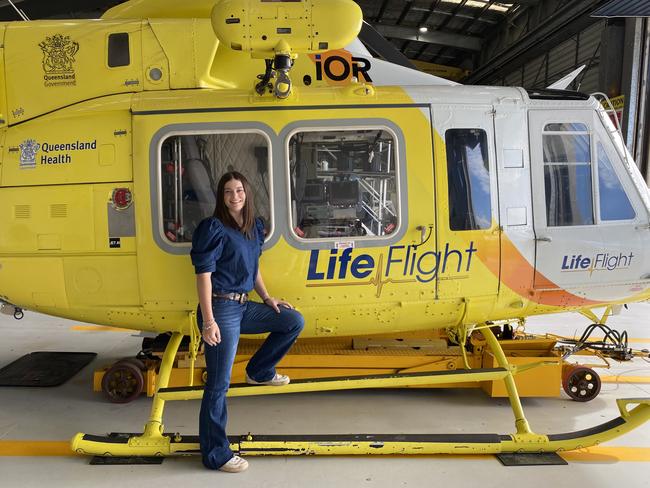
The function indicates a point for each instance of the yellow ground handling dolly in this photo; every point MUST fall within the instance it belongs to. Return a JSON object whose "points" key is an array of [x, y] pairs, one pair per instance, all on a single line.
{"points": [[391, 354], [125, 380], [443, 371]]}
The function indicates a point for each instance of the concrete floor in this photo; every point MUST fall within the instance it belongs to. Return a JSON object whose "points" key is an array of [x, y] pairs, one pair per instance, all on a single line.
{"points": [[58, 413]]}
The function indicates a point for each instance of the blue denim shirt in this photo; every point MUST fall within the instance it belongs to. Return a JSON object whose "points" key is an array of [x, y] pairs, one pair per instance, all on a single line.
{"points": [[229, 255]]}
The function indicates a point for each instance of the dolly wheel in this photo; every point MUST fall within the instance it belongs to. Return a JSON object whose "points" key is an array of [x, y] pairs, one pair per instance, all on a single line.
{"points": [[123, 382], [135, 362], [582, 384]]}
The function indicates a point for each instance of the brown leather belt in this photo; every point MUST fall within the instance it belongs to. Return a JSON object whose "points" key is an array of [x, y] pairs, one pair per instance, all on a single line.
{"points": [[236, 297]]}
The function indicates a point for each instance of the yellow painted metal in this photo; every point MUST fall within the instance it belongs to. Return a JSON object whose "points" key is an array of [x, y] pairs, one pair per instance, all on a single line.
{"points": [[591, 315], [520, 420], [32, 91], [147, 288], [153, 442], [315, 26], [389, 355], [3, 80], [449, 72], [251, 445], [154, 427], [9, 448], [160, 9], [396, 381], [536, 376]]}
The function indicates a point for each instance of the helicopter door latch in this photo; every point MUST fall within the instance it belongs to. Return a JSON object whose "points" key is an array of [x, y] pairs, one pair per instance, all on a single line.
{"points": [[424, 236], [543, 239]]}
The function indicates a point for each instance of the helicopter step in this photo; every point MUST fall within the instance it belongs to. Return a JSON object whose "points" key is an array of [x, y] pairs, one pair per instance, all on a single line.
{"points": [[343, 383]]}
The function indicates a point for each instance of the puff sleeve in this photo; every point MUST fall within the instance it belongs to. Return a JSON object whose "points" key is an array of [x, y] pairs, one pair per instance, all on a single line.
{"points": [[259, 225], [207, 245]]}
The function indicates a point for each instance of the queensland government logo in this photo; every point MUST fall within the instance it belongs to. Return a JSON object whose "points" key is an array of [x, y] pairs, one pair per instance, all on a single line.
{"points": [[28, 150], [58, 60]]}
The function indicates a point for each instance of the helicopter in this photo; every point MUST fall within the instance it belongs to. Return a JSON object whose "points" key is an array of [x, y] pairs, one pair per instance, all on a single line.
{"points": [[388, 207]]}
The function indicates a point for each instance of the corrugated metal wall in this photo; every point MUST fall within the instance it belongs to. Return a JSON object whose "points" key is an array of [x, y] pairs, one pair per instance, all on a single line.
{"points": [[584, 48]]}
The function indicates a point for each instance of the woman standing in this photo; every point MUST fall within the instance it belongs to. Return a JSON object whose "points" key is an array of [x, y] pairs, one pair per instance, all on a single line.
{"points": [[225, 254]]}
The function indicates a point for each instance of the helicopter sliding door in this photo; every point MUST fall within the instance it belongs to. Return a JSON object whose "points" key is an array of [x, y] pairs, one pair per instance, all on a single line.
{"points": [[468, 217], [587, 211]]}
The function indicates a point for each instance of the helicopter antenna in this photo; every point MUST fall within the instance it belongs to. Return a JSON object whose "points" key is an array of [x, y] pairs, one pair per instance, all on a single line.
{"points": [[18, 11]]}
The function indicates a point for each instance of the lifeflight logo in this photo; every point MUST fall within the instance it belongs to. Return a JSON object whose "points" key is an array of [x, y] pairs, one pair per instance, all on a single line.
{"points": [[601, 261], [403, 264]]}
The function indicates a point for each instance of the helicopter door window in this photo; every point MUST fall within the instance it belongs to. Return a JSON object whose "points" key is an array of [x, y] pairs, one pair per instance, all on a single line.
{"points": [[343, 183], [614, 203], [190, 167], [118, 50], [468, 173], [567, 174]]}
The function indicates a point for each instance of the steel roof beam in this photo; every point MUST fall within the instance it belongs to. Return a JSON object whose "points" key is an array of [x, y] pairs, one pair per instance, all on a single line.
{"points": [[557, 28], [486, 20], [457, 41]]}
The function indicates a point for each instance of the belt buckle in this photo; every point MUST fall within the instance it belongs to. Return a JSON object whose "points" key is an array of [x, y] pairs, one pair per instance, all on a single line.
{"points": [[242, 298]]}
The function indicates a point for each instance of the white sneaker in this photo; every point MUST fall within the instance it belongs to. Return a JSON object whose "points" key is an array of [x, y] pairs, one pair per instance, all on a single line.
{"points": [[236, 464], [277, 380]]}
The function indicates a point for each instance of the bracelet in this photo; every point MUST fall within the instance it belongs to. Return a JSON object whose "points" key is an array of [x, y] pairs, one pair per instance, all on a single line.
{"points": [[209, 324], [267, 298]]}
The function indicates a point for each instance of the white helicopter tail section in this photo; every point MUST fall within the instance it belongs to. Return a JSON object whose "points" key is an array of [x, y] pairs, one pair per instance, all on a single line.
{"points": [[385, 73]]}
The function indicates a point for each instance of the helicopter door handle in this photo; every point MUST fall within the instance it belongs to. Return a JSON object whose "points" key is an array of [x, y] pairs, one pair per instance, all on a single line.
{"points": [[543, 239], [424, 237]]}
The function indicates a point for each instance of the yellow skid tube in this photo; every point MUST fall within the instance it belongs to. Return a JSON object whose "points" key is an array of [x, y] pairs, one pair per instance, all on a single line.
{"points": [[290, 445]]}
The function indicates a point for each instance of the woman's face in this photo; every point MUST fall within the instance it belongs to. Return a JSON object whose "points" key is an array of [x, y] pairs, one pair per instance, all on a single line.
{"points": [[234, 196]]}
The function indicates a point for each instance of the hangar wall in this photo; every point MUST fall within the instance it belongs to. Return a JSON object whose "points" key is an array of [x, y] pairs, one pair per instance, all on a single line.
{"points": [[582, 49], [615, 51]]}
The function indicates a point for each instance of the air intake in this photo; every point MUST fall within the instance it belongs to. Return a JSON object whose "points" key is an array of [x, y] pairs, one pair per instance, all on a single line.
{"points": [[22, 211]]}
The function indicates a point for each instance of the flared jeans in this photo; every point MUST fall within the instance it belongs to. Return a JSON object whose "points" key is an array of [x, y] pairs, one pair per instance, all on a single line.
{"points": [[234, 319]]}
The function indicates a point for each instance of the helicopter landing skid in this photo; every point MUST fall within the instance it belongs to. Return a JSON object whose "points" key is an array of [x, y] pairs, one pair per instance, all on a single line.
{"points": [[154, 442]]}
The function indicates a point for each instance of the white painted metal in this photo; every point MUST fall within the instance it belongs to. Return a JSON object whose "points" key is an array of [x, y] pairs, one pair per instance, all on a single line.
{"points": [[599, 261]]}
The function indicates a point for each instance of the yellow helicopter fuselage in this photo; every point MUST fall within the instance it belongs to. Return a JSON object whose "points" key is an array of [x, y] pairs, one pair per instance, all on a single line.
{"points": [[100, 122]]}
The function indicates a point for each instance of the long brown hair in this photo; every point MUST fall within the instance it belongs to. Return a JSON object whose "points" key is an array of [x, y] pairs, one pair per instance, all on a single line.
{"points": [[221, 211]]}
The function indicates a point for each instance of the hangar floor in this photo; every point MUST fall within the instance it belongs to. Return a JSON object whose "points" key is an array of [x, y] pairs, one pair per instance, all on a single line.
{"points": [[29, 416]]}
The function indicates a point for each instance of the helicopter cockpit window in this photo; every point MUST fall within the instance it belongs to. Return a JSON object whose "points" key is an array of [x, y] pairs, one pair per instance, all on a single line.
{"points": [[190, 168], [614, 203], [343, 183], [567, 174], [468, 172]]}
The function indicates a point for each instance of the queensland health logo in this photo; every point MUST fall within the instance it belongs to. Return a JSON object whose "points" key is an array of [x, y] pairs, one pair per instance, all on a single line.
{"points": [[28, 150], [603, 261], [399, 264]]}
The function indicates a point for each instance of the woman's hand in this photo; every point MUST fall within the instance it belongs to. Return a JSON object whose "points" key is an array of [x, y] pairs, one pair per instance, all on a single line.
{"points": [[211, 333], [275, 304]]}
